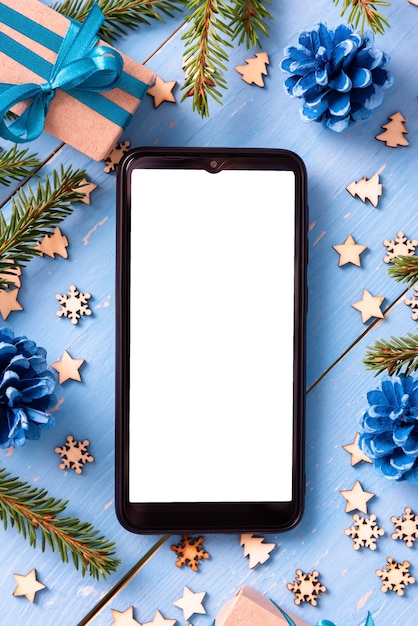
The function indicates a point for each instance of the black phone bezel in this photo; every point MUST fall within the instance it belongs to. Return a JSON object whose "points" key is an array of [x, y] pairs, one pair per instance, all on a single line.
{"points": [[223, 517]]}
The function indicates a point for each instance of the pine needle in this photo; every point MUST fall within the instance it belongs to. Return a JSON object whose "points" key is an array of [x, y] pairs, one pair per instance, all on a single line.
{"points": [[120, 15], [34, 214], [16, 164], [33, 512], [404, 269], [250, 21], [365, 13], [396, 355]]}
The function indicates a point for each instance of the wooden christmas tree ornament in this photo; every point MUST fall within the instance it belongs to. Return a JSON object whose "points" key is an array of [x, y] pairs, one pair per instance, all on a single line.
{"points": [[349, 252], [27, 585], [369, 306], [367, 188], [394, 132], [356, 498], [256, 549], [255, 69], [162, 91], [57, 243]]}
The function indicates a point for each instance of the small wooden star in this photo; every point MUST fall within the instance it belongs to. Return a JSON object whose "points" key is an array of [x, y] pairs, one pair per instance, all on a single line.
{"points": [[349, 251], [159, 620], [54, 244], [191, 602], [8, 302], [86, 188], [68, 367], [124, 618], [357, 454], [356, 498], [27, 585], [369, 306], [161, 91]]}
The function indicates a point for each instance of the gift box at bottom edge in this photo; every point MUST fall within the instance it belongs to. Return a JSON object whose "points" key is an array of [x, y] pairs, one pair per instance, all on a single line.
{"points": [[249, 607], [68, 119]]}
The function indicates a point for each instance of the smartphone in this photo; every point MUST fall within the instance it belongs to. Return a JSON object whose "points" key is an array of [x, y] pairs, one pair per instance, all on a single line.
{"points": [[210, 339]]}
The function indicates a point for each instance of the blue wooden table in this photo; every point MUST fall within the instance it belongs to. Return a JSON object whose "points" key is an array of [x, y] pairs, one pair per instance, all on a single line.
{"points": [[148, 583]]}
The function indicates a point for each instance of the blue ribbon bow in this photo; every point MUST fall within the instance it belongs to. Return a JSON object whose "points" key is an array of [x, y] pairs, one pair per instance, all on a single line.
{"points": [[80, 65]]}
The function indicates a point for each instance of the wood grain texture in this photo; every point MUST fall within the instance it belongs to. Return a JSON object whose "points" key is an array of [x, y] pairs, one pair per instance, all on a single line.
{"points": [[337, 340]]}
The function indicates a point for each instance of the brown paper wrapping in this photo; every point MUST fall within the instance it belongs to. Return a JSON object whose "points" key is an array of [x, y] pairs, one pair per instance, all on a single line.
{"points": [[250, 608], [68, 119]]}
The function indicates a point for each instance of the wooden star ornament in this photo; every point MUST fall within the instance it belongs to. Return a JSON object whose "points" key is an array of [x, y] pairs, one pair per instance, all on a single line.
{"points": [[160, 620], [349, 252], [356, 498], [68, 367], [191, 602], [369, 306], [357, 455], [27, 585], [161, 91], [124, 618], [86, 187], [8, 302]]}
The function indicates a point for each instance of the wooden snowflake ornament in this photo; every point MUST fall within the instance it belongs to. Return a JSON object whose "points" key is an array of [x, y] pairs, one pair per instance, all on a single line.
{"points": [[364, 532], [395, 576], [367, 188], [399, 246], [406, 527], [27, 585], [74, 454], [73, 304], [253, 72], [256, 549], [112, 161], [190, 552], [306, 587], [413, 303], [394, 132]]}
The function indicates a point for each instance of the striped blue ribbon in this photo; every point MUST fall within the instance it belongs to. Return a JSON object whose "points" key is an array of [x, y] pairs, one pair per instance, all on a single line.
{"points": [[82, 69]]}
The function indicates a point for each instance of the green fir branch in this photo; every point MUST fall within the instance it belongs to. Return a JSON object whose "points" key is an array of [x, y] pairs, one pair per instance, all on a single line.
{"points": [[404, 269], [34, 214], [16, 164], [250, 21], [396, 355], [365, 12], [205, 55], [32, 512], [120, 15]]}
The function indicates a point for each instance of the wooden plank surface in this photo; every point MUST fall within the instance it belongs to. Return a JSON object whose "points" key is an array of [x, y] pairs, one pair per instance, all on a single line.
{"points": [[337, 340]]}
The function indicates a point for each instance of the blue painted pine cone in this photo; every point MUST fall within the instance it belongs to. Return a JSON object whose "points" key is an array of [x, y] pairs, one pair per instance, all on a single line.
{"points": [[26, 390], [389, 428], [338, 74]]}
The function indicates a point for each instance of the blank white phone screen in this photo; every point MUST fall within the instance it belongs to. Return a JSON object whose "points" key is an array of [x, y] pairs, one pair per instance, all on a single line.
{"points": [[211, 354]]}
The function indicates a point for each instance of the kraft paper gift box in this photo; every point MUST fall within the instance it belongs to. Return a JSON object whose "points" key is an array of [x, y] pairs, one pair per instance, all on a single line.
{"points": [[90, 116], [250, 608]]}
